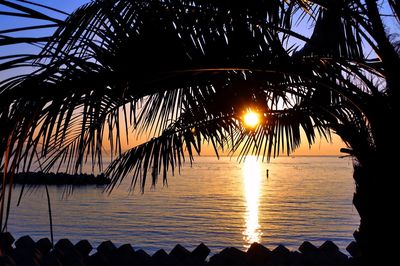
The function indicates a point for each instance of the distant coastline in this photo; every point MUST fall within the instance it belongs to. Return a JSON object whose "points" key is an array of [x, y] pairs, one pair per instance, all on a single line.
{"points": [[41, 178]]}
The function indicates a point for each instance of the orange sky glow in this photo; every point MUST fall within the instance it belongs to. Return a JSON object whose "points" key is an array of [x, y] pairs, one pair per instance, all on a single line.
{"points": [[320, 148]]}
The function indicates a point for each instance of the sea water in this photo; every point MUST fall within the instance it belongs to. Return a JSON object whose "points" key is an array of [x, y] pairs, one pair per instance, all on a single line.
{"points": [[222, 203]]}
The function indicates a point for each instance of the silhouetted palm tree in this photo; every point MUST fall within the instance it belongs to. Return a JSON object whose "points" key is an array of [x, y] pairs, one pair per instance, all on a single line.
{"points": [[186, 71]]}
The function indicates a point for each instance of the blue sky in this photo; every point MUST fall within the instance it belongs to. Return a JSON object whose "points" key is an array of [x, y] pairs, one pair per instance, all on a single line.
{"points": [[8, 22], [64, 5]]}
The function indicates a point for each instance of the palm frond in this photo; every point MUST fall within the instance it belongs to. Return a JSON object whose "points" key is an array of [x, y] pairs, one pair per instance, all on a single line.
{"points": [[182, 71], [166, 152], [395, 6], [23, 10]]}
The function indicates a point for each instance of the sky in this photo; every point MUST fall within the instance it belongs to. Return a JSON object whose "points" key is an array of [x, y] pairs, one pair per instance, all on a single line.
{"points": [[321, 146]]}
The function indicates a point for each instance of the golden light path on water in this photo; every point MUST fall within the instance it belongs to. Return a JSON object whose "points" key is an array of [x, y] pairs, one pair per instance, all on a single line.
{"points": [[252, 186], [221, 203]]}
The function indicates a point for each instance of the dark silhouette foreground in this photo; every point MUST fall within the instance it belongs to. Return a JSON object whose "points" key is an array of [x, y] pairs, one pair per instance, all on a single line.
{"points": [[29, 252]]}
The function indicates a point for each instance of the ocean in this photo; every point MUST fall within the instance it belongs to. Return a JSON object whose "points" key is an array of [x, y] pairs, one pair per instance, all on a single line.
{"points": [[222, 203]]}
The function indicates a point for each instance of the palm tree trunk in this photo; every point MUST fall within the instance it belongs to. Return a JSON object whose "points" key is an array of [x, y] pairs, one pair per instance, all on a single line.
{"points": [[374, 200], [367, 232], [376, 171]]}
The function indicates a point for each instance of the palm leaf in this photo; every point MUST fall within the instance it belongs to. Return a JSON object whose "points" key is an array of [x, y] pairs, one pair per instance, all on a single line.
{"points": [[106, 59]]}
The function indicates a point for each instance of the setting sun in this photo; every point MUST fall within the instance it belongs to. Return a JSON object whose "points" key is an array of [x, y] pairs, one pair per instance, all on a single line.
{"points": [[251, 119]]}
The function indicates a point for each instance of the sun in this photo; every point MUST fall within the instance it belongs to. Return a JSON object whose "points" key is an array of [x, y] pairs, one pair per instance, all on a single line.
{"points": [[251, 119]]}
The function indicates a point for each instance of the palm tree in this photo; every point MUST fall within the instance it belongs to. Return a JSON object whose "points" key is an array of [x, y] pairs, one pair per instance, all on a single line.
{"points": [[185, 71]]}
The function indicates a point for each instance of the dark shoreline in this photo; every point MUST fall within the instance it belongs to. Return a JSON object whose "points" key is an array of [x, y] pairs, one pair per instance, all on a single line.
{"points": [[41, 178], [25, 251]]}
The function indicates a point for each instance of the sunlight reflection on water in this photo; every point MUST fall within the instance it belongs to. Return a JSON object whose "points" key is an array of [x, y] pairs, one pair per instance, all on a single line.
{"points": [[252, 186], [221, 203]]}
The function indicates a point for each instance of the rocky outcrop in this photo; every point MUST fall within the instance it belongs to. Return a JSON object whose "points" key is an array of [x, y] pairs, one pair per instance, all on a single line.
{"points": [[25, 251]]}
